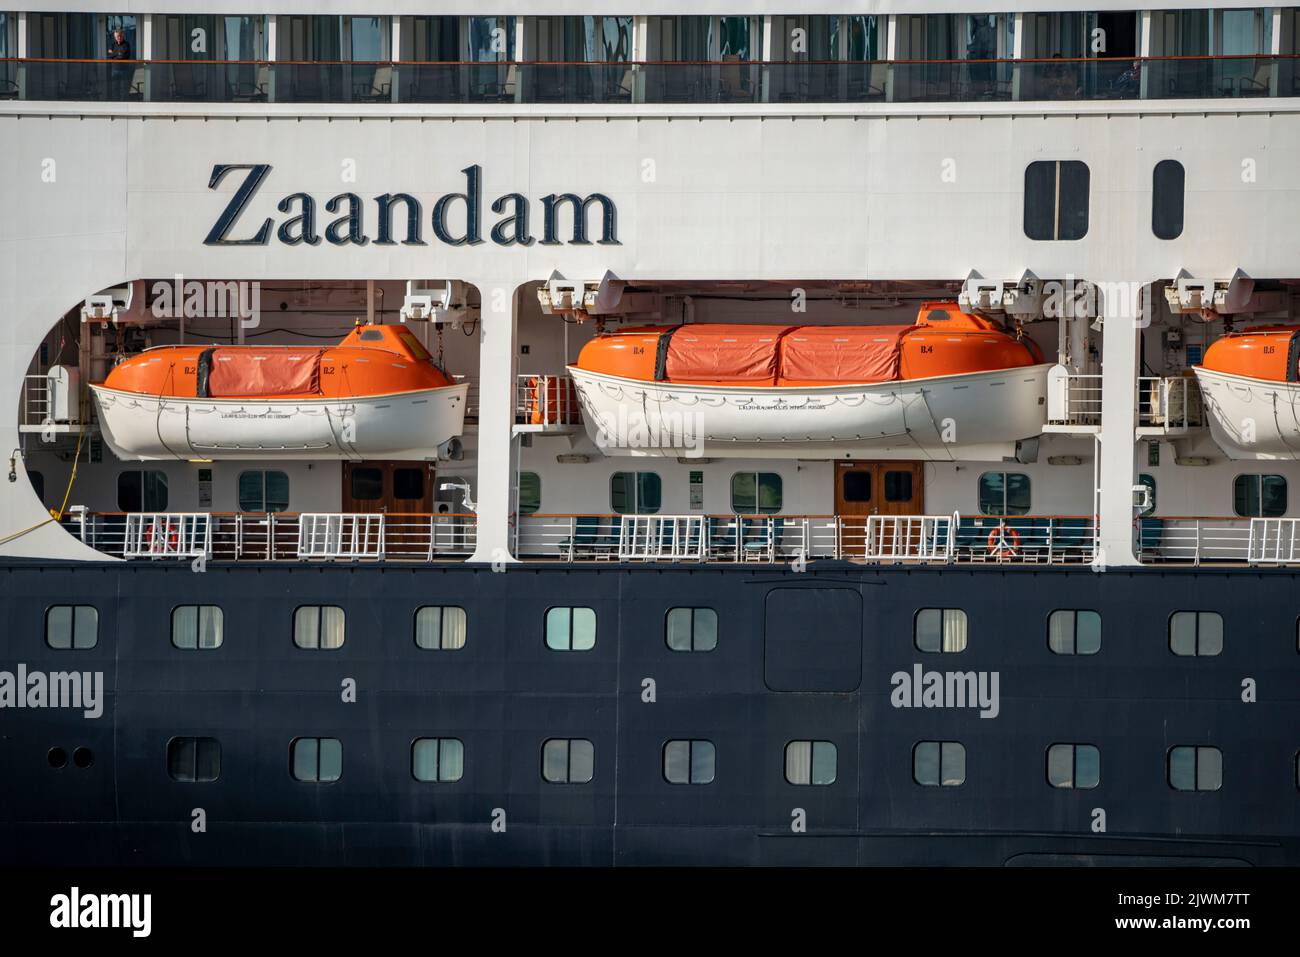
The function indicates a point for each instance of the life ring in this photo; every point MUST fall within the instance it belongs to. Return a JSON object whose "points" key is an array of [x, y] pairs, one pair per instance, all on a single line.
{"points": [[173, 538], [1004, 541]]}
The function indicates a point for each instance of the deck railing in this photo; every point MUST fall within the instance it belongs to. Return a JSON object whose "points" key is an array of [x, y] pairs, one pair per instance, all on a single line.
{"points": [[721, 81], [546, 400], [277, 536], [1078, 402], [1193, 540], [1169, 402], [767, 539], [791, 538]]}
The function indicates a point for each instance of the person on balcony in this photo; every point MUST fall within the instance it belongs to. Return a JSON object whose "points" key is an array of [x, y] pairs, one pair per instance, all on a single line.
{"points": [[119, 51]]}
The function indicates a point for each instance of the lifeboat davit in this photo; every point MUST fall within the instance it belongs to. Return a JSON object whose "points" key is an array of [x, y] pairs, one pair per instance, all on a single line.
{"points": [[950, 385], [377, 394], [1250, 389]]}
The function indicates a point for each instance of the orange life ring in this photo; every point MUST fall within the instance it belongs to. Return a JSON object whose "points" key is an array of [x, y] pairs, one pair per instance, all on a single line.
{"points": [[173, 537], [1004, 541]]}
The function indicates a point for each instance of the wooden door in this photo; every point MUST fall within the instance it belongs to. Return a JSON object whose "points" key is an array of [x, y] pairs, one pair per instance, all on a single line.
{"points": [[403, 491], [863, 489], [393, 487]]}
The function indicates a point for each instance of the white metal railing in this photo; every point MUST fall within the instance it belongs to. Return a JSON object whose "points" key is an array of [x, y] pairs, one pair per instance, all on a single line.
{"points": [[1078, 401], [1274, 541], [1193, 539], [341, 535], [546, 400], [274, 536], [661, 538], [926, 538], [790, 538], [167, 535], [1171, 402], [38, 400]]}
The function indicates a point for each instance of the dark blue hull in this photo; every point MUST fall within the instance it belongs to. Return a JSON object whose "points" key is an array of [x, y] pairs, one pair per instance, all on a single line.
{"points": [[800, 656]]}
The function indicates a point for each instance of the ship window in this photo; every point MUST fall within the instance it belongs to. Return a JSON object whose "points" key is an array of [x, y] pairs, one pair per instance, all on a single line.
{"points": [[371, 335], [570, 629], [530, 492], [408, 483], [940, 630], [1073, 766], [1196, 633], [810, 762], [568, 760], [1150, 483], [72, 626], [440, 760], [440, 627], [1056, 200], [857, 486], [1074, 632], [367, 484], [57, 757], [1167, 186], [1259, 496], [1004, 493], [316, 760], [939, 763], [193, 760], [690, 762], [635, 493], [142, 490], [263, 491], [756, 493], [1195, 768], [898, 486], [691, 629], [197, 626], [318, 626], [83, 757]]}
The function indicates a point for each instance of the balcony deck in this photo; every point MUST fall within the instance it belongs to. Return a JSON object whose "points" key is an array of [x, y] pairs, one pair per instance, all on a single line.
{"points": [[650, 82]]}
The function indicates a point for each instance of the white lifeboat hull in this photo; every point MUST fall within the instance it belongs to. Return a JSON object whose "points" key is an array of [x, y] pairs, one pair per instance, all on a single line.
{"points": [[1251, 418], [406, 425], [977, 416]]}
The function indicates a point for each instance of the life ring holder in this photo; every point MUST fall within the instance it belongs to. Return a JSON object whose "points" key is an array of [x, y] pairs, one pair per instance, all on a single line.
{"points": [[1004, 541]]}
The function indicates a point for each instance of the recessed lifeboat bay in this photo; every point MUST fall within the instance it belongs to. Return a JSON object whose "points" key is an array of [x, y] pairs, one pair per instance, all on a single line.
{"points": [[952, 381], [377, 393]]}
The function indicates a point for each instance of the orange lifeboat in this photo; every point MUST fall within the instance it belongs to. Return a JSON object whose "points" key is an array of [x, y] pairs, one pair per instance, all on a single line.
{"points": [[836, 387], [943, 341], [377, 394], [1250, 389], [1271, 353]]}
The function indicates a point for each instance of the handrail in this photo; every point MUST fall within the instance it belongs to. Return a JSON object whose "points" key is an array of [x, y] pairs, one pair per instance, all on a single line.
{"points": [[633, 63]]}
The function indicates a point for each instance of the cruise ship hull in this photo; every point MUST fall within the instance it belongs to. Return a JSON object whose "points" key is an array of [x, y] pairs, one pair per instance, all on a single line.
{"points": [[979, 415], [770, 680], [408, 425]]}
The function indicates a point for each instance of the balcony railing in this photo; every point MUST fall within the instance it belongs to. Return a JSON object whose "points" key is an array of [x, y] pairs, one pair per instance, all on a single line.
{"points": [[730, 81], [1170, 404], [276, 536], [940, 539], [546, 401], [766, 539]]}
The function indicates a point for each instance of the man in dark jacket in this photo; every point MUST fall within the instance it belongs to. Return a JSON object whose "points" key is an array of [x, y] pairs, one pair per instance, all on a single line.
{"points": [[119, 50]]}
